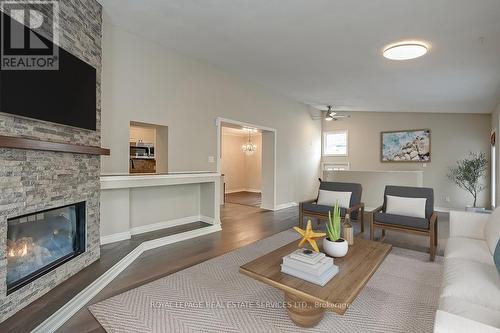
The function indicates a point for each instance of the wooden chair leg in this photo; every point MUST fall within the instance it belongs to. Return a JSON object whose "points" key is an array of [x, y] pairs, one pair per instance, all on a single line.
{"points": [[435, 237], [372, 229], [383, 235], [436, 233], [432, 246], [362, 219]]}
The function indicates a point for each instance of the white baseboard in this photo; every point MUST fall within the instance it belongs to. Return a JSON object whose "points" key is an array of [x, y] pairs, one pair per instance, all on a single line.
{"points": [[253, 190], [115, 237], [442, 209], [154, 227], [56, 320], [266, 206], [152, 244], [207, 219], [164, 224], [278, 207], [234, 191], [286, 205]]}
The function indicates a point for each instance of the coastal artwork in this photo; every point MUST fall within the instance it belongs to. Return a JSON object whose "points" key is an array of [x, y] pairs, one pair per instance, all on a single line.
{"points": [[406, 146]]}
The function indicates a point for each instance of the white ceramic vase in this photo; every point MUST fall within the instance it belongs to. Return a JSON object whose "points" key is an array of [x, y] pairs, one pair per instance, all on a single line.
{"points": [[335, 249]]}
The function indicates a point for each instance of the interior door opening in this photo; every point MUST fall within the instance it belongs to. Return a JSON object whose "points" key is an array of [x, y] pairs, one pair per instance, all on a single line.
{"points": [[246, 160]]}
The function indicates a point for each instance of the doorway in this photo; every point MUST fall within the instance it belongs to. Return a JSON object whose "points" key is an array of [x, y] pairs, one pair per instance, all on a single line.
{"points": [[246, 161], [241, 165]]}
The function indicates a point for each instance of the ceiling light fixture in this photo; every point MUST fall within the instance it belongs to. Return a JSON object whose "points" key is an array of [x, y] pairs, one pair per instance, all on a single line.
{"points": [[249, 148], [329, 114], [405, 50]]}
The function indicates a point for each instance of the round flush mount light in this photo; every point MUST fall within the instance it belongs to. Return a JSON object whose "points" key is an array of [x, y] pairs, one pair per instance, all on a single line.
{"points": [[405, 50]]}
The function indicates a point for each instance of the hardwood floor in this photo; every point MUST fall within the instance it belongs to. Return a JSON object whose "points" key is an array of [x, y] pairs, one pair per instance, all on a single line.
{"points": [[244, 198], [241, 225]]}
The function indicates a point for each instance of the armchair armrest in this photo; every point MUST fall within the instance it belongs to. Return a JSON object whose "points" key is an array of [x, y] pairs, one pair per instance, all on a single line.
{"points": [[376, 210], [355, 208], [307, 201], [467, 224]]}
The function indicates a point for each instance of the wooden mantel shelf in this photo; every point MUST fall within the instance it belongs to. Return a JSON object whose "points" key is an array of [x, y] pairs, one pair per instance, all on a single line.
{"points": [[23, 143]]}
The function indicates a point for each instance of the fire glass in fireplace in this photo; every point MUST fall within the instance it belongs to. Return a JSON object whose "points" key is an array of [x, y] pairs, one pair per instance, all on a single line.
{"points": [[39, 242]]}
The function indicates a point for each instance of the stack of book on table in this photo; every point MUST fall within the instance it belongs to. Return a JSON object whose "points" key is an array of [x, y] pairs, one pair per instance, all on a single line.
{"points": [[311, 266]]}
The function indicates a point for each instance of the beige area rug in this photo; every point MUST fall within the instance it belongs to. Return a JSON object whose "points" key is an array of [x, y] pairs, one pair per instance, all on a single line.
{"points": [[213, 296]]}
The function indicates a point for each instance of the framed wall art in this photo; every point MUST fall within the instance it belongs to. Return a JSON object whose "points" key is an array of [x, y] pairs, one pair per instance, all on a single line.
{"points": [[406, 146]]}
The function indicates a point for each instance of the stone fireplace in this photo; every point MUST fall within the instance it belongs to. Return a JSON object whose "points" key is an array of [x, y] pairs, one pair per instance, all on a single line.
{"points": [[49, 201]]}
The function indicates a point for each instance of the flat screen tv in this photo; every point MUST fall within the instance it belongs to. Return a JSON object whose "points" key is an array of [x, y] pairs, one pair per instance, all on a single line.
{"points": [[65, 96]]}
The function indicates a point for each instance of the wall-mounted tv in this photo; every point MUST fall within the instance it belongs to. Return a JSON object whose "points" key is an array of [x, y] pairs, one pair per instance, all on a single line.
{"points": [[65, 96]]}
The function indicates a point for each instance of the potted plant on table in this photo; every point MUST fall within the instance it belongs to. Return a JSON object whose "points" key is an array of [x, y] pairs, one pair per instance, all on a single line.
{"points": [[468, 173], [333, 244]]}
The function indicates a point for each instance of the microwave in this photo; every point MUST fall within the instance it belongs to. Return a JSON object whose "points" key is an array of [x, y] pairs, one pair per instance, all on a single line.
{"points": [[142, 150]]}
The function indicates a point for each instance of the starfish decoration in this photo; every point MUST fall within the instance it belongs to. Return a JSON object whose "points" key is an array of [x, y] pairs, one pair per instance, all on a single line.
{"points": [[308, 235]]}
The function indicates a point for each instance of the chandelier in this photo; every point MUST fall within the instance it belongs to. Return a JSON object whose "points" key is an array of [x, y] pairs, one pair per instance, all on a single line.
{"points": [[249, 148]]}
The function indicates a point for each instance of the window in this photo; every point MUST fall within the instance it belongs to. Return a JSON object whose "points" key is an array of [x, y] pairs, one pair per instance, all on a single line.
{"points": [[335, 143]]}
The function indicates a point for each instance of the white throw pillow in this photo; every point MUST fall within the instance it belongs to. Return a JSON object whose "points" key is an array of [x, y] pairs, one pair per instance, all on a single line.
{"points": [[329, 198], [414, 207], [492, 230]]}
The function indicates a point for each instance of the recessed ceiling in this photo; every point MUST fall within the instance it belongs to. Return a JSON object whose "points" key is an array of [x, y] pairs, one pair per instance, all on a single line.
{"points": [[330, 51]]}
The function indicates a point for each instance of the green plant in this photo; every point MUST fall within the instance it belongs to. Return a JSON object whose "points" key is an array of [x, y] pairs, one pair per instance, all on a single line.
{"points": [[333, 224], [467, 174]]}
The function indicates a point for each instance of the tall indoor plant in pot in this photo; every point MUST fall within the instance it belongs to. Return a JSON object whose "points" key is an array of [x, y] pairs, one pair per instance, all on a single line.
{"points": [[333, 245], [468, 174]]}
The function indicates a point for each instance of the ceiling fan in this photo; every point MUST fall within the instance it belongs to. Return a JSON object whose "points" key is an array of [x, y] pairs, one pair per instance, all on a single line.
{"points": [[332, 115]]}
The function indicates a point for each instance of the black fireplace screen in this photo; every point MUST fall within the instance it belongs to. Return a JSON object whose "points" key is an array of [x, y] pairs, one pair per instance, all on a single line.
{"points": [[39, 242]]}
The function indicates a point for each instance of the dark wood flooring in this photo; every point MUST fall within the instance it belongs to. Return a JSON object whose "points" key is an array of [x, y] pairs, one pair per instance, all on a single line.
{"points": [[244, 198], [241, 225]]}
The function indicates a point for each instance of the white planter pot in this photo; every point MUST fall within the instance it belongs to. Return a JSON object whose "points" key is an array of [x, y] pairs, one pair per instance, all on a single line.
{"points": [[335, 249], [475, 209]]}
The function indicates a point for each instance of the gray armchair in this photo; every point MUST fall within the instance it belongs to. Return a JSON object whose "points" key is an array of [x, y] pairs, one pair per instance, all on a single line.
{"points": [[356, 208], [421, 226]]}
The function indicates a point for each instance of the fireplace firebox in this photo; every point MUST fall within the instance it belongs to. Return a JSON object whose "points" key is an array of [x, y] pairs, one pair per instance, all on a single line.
{"points": [[38, 243]]}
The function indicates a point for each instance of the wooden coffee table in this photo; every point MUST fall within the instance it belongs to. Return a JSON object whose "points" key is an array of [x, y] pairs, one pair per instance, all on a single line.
{"points": [[306, 302]]}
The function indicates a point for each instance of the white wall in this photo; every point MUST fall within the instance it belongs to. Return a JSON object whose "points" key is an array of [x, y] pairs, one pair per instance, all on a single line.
{"points": [[146, 82], [253, 165], [241, 171], [151, 205], [233, 162], [452, 137]]}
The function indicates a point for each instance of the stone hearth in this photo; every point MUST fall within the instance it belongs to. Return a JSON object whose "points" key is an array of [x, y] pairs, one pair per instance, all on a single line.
{"points": [[33, 181]]}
